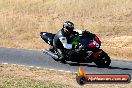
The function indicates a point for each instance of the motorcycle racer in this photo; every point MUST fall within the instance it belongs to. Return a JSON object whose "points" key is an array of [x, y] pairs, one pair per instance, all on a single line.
{"points": [[70, 44], [63, 37]]}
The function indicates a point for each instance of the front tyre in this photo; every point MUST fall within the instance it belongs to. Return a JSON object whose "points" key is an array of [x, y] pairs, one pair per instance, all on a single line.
{"points": [[103, 60]]}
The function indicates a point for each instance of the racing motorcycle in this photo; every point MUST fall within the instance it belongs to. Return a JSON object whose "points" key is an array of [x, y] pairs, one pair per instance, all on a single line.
{"points": [[79, 55]]}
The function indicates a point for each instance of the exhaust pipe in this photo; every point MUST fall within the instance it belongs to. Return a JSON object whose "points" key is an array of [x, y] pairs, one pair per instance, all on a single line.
{"points": [[50, 53]]}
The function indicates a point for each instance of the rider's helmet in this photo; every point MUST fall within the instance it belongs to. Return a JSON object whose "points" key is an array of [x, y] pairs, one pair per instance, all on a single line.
{"points": [[68, 26]]}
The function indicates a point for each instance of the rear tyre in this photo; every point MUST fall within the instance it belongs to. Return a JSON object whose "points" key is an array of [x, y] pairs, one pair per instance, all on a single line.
{"points": [[103, 61]]}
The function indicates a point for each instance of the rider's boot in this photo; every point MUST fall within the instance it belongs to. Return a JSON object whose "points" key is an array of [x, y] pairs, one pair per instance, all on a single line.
{"points": [[51, 49], [61, 56]]}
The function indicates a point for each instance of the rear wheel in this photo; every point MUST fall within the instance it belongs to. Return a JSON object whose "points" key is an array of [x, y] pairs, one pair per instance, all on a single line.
{"points": [[103, 60]]}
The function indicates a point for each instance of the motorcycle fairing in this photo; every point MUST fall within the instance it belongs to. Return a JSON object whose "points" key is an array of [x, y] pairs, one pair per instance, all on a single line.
{"points": [[97, 53]]}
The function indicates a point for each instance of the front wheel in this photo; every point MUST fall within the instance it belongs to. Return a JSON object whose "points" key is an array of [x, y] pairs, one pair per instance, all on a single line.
{"points": [[103, 60]]}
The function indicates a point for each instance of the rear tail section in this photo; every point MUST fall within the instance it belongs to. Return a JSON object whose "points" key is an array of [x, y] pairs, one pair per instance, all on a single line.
{"points": [[47, 37]]}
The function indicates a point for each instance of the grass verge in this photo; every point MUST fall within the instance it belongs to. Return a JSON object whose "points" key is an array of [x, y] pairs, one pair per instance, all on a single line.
{"points": [[16, 76]]}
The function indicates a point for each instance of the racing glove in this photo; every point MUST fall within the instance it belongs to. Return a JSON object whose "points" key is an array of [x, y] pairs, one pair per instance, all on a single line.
{"points": [[77, 46]]}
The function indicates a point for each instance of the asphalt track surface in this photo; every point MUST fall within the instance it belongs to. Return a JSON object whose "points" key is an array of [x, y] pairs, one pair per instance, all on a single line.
{"points": [[38, 59]]}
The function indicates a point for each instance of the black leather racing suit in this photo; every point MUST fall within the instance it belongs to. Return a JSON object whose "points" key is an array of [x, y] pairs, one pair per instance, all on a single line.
{"points": [[62, 42], [62, 39]]}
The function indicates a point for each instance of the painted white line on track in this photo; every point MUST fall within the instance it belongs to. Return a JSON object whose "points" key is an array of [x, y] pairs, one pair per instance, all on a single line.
{"points": [[61, 70], [38, 67], [68, 71], [14, 64], [51, 69], [4, 63], [22, 65], [44, 68], [31, 66], [76, 72]]}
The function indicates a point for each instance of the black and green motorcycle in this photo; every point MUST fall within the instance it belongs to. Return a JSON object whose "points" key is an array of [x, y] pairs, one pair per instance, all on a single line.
{"points": [[82, 54]]}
